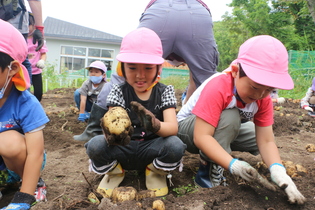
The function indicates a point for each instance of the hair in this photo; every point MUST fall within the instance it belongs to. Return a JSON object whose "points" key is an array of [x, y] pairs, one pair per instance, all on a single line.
{"points": [[31, 21], [5, 60], [241, 71], [124, 74]]}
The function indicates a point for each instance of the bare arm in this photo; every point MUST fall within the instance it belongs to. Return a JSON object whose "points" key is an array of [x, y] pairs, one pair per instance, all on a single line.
{"points": [[267, 146], [203, 139], [169, 127], [33, 162], [82, 104], [36, 7]]}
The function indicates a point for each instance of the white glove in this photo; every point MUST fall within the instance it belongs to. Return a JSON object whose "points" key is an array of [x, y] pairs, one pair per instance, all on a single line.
{"points": [[280, 100], [280, 177], [243, 169], [40, 64], [307, 108]]}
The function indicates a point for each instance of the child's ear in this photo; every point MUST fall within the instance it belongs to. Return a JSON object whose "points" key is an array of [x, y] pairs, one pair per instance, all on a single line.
{"points": [[15, 68], [235, 70]]}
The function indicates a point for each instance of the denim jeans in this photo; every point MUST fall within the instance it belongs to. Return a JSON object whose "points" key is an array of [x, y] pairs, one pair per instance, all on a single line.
{"points": [[77, 99], [166, 152]]}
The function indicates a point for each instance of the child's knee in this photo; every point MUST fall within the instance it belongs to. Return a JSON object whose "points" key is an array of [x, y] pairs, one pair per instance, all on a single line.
{"points": [[12, 143]]}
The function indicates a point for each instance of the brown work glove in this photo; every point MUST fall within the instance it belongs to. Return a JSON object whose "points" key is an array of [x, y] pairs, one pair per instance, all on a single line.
{"points": [[147, 118], [117, 126]]}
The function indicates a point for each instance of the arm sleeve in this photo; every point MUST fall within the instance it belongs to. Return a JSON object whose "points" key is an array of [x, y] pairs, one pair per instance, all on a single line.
{"points": [[168, 98], [115, 97]]}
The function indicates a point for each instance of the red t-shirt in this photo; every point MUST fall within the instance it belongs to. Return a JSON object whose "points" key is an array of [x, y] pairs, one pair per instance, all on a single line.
{"points": [[218, 95]]}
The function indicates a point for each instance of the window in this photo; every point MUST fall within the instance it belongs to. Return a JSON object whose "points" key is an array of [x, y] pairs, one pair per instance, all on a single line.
{"points": [[74, 59]]}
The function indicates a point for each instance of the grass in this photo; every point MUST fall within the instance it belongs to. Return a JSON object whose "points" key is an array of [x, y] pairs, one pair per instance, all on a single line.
{"points": [[302, 81]]}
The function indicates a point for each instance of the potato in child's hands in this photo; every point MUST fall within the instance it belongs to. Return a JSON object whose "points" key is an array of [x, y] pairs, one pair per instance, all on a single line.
{"points": [[117, 126]]}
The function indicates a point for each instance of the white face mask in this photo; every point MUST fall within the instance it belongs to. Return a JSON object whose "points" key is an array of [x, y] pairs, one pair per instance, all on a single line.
{"points": [[2, 90]]}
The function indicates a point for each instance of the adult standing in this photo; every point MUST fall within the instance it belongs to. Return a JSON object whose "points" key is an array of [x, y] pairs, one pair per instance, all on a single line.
{"points": [[16, 14], [186, 30]]}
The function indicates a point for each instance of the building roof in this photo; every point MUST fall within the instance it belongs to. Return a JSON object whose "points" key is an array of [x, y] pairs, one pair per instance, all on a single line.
{"points": [[59, 29]]}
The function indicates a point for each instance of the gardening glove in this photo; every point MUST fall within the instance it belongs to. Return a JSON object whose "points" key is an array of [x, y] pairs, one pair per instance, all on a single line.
{"points": [[40, 64], [21, 201], [243, 169], [280, 177], [147, 118], [38, 36], [307, 108], [82, 117], [280, 100]]}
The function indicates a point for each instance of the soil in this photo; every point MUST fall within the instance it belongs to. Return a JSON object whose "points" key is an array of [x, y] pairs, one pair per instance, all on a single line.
{"points": [[69, 181]]}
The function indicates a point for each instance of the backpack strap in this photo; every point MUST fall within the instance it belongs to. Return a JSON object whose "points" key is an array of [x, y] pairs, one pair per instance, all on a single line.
{"points": [[22, 5]]}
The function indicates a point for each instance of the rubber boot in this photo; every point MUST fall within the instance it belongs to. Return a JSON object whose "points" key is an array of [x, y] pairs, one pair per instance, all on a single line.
{"points": [[155, 180], [111, 180], [93, 128], [209, 175]]}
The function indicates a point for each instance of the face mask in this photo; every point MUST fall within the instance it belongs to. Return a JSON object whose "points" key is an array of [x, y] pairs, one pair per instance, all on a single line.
{"points": [[2, 90], [96, 80]]}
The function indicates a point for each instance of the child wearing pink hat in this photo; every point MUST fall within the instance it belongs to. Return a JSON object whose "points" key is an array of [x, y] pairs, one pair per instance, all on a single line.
{"points": [[308, 102], [154, 146], [22, 119], [86, 95], [233, 110]]}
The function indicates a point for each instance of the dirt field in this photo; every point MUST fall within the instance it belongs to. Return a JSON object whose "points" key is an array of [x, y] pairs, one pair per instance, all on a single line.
{"points": [[69, 181]]}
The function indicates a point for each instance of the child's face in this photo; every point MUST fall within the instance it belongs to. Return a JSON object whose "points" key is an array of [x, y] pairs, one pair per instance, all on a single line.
{"points": [[248, 90], [95, 72], [3, 76], [140, 76]]}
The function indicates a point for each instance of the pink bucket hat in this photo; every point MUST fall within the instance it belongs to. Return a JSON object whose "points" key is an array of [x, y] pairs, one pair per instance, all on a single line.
{"points": [[99, 65], [141, 46], [13, 44], [264, 59]]}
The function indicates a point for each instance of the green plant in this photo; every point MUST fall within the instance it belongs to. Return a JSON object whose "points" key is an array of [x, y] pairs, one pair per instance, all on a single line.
{"points": [[182, 190], [179, 82]]}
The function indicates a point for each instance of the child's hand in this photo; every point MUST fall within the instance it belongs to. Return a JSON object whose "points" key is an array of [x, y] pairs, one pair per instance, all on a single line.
{"points": [[280, 177], [21, 201], [40, 64], [147, 118], [280, 100], [243, 169], [82, 117]]}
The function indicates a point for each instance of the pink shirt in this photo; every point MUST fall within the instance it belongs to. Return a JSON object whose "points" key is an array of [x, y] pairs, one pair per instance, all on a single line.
{"points": [[34, 56], [217, 94]]}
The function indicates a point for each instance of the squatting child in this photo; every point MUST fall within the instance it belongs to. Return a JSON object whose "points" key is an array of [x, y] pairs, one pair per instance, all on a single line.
{"points": [[22, 120], [232, 110], [308, 101], [86, 95], [154, 146]]}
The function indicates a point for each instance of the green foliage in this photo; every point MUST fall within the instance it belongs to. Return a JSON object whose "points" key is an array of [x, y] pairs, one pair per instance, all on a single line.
{"points": [[56, 80], [179, 82], [183, 190]]}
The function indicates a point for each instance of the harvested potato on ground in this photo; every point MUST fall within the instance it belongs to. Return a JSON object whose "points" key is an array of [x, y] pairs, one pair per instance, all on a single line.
{"points": [[158, 205], [121, 194], [290, 167], [117, 126], [310, 148], [145, 194]]}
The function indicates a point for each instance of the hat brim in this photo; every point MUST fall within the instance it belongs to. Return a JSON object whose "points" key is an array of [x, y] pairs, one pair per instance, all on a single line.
{"points": [[139, 58], [270, 79], [21, 79]]}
